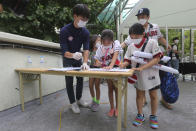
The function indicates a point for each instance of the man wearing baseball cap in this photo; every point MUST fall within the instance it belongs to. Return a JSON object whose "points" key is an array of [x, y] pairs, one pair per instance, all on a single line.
{"points": [[152, 30]]}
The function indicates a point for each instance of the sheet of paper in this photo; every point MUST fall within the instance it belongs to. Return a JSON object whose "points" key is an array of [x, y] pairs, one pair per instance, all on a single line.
{"points": [[111, 70], [65, 69]]}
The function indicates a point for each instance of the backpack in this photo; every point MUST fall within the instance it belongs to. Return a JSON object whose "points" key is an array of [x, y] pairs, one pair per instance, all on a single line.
{"points": [[169, 88]]}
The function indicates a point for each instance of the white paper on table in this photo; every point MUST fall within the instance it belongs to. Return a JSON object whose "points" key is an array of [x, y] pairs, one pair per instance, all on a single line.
{"points": [[109, 70], [65, 69]]}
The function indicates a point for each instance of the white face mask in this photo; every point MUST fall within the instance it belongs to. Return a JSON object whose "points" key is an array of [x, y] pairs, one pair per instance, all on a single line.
{"points": [[137, 41], [176, 41], [98, 44], [82, 23], [142, 21]]}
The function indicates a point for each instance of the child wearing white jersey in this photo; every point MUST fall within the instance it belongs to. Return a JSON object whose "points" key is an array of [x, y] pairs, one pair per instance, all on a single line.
{"points": [[147, 77], [152, 31], [107, 57]]}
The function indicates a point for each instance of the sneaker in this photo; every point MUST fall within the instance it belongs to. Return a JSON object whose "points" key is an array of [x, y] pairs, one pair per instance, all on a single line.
{"points": [[139, 120], [95, 107], [75, 108], [154, 122], [82, 103], [91, 104], [111, 113]]}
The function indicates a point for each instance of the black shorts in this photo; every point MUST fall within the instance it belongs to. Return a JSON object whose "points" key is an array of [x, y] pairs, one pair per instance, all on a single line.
{"points": [[155, 88]]}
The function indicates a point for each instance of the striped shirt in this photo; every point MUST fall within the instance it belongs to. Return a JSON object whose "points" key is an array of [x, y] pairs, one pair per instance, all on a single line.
{"points": [[105, 53]]}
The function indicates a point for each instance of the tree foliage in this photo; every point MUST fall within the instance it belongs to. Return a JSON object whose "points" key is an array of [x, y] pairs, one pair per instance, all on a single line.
{"points": [[177, 33], [41, 17]]}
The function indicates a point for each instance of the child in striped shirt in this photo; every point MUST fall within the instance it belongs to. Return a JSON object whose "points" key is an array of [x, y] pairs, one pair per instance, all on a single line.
{"points": [[107, 57]]}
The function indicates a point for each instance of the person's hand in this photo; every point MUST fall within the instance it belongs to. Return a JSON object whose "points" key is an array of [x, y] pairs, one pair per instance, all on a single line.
{"points": [[85, 66], [122, 65], [108, 67], [77, 56], [138, 69], [98, 63], [169, 48]]}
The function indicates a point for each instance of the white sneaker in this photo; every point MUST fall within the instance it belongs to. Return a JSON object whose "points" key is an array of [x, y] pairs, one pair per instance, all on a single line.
{"points": [[83, 103], [75, 108]]}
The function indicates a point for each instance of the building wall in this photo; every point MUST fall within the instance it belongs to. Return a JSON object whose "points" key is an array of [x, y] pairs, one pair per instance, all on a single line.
{"points": [[12, 58]]}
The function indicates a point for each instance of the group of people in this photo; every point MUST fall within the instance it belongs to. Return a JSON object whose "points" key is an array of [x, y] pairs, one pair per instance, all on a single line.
{"points": [[102, 51]]}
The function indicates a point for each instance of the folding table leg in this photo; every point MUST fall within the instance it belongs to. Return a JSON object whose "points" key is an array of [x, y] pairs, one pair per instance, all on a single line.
{"points": [[125, 104], [21, 91], [119, 104], [40, 88]]}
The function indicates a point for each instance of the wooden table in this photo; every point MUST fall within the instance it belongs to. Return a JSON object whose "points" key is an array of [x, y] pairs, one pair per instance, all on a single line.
{"points": [[31, 74]]}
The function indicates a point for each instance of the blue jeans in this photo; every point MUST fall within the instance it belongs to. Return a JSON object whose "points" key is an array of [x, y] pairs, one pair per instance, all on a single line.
{"points": [[175, 65]]}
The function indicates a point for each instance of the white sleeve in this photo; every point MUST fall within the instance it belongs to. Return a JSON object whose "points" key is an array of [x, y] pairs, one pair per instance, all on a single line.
{"points": [[128, 41], [98, 54], [162, 49], [117, 46], [128, 53], [155, 48]]}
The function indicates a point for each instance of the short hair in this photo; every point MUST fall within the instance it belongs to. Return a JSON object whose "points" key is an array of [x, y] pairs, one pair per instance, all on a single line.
{"points": [[175, 38], [93, 39], [107, 34], [81, 10], [136, 29]]}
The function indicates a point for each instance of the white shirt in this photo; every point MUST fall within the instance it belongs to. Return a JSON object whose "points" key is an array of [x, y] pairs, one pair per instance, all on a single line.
{"points": [[152, 32], [174, 48], [148, 78], [107, 58]]}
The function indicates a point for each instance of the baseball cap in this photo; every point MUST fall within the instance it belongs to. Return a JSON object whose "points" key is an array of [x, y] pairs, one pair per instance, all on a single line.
{"points": [[144, 11]]}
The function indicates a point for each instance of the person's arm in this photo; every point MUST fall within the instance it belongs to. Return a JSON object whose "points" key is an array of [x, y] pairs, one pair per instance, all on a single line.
{"points": [[127, 60], [154, 61], [86, 47], [157, 55], [64, 46], [85, 56], [114, 58], [123, 45], [97, 58], [124, 64], [161, 39], [97, 63], [126, 42], [164, 43], [67, 54]]}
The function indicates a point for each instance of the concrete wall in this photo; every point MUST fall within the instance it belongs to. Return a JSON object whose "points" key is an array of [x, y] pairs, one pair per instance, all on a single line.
{"points": [[10, 59]]}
